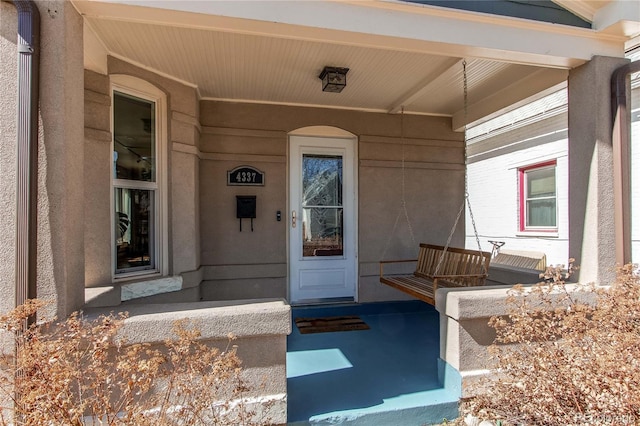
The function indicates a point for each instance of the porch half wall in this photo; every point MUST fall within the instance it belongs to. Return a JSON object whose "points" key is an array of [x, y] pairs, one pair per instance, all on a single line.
{"points": [[239, 265]]}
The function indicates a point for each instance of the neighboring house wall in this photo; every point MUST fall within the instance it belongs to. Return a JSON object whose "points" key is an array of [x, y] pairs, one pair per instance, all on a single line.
{"points": [[494, 188], [494, 160]]}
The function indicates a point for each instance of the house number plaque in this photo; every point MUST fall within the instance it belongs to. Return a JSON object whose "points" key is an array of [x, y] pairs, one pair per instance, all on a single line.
{"points": [[245, 176]]}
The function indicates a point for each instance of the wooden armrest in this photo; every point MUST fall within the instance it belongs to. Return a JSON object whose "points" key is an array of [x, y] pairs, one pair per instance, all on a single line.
{"points": [[435, 277], [398, 261], [382, 262]]}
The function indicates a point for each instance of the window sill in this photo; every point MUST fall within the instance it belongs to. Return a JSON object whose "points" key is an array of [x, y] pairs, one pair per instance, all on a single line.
{"points": [[146, 274], [538, 234], [118, 292], [138, 289]]}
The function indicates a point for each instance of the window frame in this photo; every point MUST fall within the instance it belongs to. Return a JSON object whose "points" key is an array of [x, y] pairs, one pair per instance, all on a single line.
{"points": [[523, 197], [132, 86]]}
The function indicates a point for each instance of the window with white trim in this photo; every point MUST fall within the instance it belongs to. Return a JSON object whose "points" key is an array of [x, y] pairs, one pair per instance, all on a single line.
{"points": [[137, 172], [538, 197]]}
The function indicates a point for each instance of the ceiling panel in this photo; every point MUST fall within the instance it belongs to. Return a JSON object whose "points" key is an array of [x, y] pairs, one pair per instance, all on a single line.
{"points": [[257, 68], [268, 69]]}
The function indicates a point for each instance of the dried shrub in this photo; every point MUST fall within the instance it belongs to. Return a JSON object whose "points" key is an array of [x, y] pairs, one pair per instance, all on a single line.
{"points": [[77, 372], [565, 355]]}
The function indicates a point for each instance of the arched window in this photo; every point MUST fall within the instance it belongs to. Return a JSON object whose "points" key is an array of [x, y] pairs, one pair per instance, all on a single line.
{"points": [[138, 127]]}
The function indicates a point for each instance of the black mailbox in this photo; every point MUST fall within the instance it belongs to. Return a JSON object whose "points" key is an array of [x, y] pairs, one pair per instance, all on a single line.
{"points": [[246, 208]]}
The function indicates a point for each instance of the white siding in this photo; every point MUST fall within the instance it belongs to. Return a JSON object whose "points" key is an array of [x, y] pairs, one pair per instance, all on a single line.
{"points": [[494, 158], [494, 190]]}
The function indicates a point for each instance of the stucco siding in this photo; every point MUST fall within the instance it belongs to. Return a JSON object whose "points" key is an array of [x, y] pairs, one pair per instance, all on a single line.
{"points": [[236, 134], [97, 175], [181, 173], [60, 245]]}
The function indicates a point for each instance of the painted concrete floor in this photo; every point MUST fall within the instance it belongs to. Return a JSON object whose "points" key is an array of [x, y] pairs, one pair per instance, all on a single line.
{"points": [[387, 375]]}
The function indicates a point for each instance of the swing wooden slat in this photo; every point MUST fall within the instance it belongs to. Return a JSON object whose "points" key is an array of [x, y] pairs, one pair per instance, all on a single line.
{"points": [[437, 266]]}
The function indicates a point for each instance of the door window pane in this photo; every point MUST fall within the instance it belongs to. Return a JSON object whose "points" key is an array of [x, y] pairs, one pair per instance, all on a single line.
{"points": [[321, 180], [134, 136], [134, 229], [321, 205], [322, 231]]}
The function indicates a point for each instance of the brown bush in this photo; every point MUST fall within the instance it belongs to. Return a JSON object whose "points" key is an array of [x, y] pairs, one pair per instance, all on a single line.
{"points": [[77, 372], [566, 356]]}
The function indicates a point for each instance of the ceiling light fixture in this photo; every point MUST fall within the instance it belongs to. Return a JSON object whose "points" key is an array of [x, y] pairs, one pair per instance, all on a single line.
{"points": [[334, 79]]}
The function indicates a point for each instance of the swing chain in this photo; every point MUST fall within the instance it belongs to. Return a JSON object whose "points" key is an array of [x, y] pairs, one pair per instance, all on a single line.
{"points": [[466, 160], [446, 247], [466, 200], [403, 202], [404, 195]]}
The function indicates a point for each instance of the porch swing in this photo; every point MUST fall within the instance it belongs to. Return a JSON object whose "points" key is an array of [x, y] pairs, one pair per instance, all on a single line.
{"points": [[438, 266]]}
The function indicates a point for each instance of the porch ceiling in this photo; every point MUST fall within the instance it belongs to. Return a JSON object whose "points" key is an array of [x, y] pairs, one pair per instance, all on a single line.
{"points": [[273, 52]]}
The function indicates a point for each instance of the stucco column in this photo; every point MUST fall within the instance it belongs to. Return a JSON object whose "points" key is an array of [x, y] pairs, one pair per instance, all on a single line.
{"points": [[591, 195], [60, 221]]}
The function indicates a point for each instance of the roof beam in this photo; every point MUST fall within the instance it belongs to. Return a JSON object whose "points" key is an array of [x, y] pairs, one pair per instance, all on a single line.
{"points": [[378, 24], [620, 17], [535, 82], [425, 85]]}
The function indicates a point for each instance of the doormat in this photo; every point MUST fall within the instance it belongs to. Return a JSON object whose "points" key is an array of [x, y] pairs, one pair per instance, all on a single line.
{"points": [[329, 324]]}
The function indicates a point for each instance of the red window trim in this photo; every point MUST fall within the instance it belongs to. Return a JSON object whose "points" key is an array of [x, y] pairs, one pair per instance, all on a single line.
{"points": [[522, 193]]}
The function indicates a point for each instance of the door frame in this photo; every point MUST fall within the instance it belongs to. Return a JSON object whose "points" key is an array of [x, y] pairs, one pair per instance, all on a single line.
{"points": [[325, 132]]}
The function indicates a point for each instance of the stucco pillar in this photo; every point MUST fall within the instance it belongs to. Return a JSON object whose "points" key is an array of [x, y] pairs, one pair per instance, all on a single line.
{"points": [[591, 196], [60, 221]]}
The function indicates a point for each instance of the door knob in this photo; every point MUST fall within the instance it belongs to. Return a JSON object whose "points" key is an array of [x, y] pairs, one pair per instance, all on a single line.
{"points": [[293, 219]]}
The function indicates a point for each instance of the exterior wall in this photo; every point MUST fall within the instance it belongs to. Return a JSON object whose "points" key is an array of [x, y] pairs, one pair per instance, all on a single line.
{"points": [[494, 189], [254, 264], [182, 191], [60, 156], [60, 259], [97, 174], [248, 265], [182, 139]]}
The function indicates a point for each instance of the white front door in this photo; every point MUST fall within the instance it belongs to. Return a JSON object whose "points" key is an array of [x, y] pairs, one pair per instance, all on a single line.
{"points": [[322, 220]]}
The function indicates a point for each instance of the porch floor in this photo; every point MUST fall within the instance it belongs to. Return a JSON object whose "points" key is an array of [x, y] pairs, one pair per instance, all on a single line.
{"points": [[387, 375]]}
